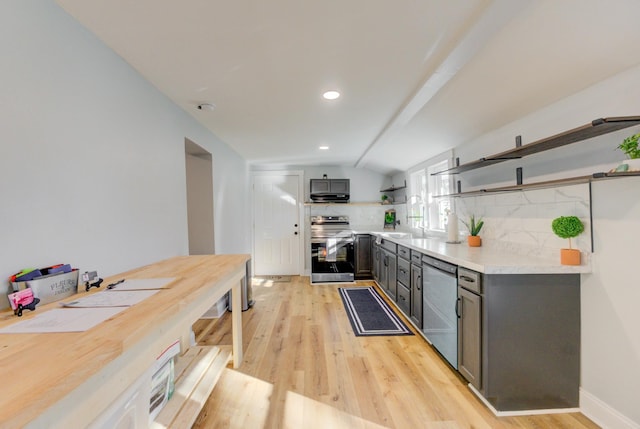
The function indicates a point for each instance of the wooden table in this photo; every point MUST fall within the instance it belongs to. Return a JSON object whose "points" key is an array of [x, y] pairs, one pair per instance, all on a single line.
{"points": [[67, 379]]}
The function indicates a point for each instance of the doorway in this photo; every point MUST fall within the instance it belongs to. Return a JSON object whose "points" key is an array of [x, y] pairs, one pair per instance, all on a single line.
{"points": [[277, 215], [199, 172]]}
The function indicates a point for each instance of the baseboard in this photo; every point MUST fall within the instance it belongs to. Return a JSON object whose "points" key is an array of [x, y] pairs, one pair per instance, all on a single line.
{"points": [[602, 414], [520, 412]]}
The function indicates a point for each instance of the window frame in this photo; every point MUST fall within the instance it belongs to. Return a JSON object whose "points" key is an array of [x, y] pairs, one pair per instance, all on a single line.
{"points": [[430, 212]]}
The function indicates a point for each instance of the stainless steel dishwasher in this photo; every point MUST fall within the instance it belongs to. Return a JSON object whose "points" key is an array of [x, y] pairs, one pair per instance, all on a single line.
{"points": [[439, 297]]}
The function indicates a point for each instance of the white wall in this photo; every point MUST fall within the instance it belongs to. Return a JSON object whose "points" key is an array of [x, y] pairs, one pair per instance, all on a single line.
{"points": [[611, 321], [610, 353], [92, 163]]}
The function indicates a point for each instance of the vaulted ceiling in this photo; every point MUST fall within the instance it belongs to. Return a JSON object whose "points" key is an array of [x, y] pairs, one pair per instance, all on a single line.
{"points": [[416, 77]]}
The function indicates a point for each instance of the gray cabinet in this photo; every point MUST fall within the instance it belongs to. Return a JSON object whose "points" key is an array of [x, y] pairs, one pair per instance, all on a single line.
{"points": [[376, 258], [469, 312], [404, 271], [530, 342], [416, 292], [333, 186], [387, 275], [403, 298], [363, 257]]}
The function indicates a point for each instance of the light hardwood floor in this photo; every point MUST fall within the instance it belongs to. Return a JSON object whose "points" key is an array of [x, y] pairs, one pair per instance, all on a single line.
{"points": [[304, 368]]}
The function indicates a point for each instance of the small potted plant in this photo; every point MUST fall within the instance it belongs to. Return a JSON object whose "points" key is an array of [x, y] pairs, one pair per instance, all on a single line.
{"points": [[630, 147], [568, 227], [385, 199], [474, 228]]}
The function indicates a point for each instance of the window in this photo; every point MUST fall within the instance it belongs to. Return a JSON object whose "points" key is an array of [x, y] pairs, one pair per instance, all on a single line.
{"points": [[426, 212]]}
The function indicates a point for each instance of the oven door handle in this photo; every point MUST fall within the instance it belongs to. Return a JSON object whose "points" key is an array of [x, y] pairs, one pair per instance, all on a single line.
{"points": [[339, 242]]}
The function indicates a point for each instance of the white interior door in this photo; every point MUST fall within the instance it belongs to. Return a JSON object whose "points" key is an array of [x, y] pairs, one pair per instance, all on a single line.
{"points": [[277, 226]]}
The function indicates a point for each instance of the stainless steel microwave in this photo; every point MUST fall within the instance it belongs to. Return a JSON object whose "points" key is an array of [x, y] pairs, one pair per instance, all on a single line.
{"points": [[329, 190]]}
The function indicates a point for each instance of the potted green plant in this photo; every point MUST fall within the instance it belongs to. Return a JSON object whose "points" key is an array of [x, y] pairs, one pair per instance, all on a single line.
{"points": [[385, 199], [568, 227], [474, 226], [630, 148]]}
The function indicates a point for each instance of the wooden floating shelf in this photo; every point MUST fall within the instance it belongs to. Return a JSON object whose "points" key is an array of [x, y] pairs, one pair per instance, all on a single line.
{"points": [[395, 188], [372, 203], [545, 184], [596, 128]]}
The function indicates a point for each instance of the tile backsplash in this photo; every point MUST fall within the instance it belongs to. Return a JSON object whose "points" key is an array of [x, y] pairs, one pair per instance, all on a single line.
{"points": [[518, 221], [369, 215], [521, 220]]}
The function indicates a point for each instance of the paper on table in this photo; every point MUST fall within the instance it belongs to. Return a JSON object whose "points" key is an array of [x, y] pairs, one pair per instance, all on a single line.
{"points": [[144, 284], [63, 320], [109, 298]]}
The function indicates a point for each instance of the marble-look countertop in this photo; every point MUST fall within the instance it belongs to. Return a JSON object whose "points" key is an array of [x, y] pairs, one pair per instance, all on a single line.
{"points": [[494, 259]]}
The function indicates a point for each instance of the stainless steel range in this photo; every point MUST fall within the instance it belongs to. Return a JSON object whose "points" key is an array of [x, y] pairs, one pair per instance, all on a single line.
{"points": [[332, 254]]}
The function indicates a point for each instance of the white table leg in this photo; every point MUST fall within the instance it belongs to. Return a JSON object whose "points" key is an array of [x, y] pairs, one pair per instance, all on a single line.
{"points": [[236, 323]]}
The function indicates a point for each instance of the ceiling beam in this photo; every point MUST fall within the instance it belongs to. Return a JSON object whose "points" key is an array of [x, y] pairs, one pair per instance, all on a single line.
{"points": [[493, 19]]}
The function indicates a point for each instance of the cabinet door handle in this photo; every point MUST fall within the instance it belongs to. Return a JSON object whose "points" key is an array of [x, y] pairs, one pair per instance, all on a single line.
{"points": [[468, 279], [458, 307]]}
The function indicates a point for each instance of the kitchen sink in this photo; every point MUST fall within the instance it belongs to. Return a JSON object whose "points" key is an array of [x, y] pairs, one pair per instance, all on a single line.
{"points": [[396, 234]]}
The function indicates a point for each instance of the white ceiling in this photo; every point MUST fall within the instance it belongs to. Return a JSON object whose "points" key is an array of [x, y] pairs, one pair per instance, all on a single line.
{"points": [[417, 77]]}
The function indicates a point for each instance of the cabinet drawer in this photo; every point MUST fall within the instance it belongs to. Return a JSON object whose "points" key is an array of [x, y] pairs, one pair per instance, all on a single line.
{"points": [[404, 272], [403, 298], [389, 245], [470, 280], [416, 257], [404, 252]]}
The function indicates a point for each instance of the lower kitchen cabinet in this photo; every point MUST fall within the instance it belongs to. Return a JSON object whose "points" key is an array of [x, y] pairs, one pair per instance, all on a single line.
{"points": [[375, 260], [363, 259], [403, 297], [518, 335], [469, 311], [530, 341], [388, 275], [415, 313], [403, 275]]}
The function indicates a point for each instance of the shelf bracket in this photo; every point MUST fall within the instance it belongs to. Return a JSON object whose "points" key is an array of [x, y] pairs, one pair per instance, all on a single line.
{"points": [[591, 216], [518, 141], [519, 176]]}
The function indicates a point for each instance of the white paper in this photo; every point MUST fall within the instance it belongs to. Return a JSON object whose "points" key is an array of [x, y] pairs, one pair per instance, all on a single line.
{"points": [[63, 320], [110, 298], [144, 284]]}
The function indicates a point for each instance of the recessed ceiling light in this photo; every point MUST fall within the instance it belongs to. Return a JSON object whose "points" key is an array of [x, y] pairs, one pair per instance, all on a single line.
{"points": [[331, 95], [323, 147]]}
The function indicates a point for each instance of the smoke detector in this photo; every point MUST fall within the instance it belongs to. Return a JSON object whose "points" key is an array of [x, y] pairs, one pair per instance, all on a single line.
{"points": [[206, 106]]}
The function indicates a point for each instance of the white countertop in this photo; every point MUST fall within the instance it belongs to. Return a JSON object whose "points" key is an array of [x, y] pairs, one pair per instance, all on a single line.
{"points": [[494, 259]]}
